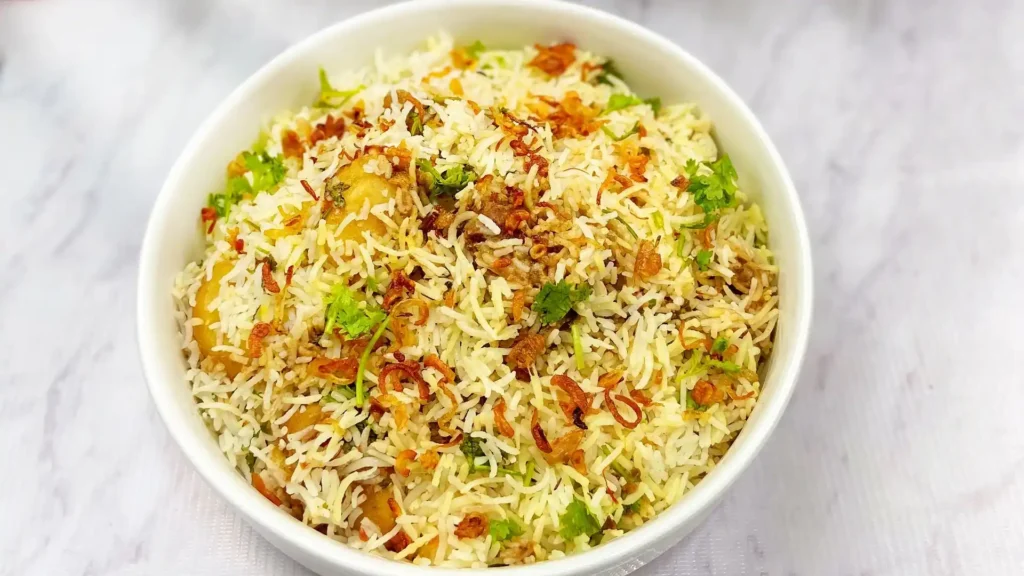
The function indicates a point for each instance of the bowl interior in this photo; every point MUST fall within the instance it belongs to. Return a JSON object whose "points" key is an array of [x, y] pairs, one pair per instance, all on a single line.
{"points": [[651, 65]]}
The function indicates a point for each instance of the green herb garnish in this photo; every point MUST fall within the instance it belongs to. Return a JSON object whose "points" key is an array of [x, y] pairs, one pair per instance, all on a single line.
{"points": [[714, 191], [343, 311], [331, 98], [267, 171], [720, 344], [623, 101], [724, 366], [577, 520], [502, 530], [577, 346], [475, 49], [554, 301], [628, 227], [691, 404], [451, 181], [607, 70], [471, 447], [659, 220], [704, 259], [630, 132]]}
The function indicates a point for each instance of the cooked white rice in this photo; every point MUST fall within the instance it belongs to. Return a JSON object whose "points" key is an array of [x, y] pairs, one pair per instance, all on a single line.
{"points": [[630, 324]]}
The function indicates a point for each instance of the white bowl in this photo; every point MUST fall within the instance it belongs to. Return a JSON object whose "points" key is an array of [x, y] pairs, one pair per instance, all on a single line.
{"points": [[652, 65]]}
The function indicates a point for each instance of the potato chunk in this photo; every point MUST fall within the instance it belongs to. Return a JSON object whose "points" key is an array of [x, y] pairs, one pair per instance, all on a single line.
{"points": [[205, 336]]}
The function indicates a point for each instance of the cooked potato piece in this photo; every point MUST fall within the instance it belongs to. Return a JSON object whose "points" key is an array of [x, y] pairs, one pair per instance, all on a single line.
{"points": [[304, 418], [429, 550], [205, 336], [377, 509], [358, 187]]}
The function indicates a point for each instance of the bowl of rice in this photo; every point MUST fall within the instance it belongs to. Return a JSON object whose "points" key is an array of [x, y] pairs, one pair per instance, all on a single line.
{"points": [[461, 286]]}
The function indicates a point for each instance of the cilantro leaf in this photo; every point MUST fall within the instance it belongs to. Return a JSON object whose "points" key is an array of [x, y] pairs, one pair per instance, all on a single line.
{"points": [[331, 98], [343, 311], [577, 520], [267, 171], [364, 358], [471, 447], [704, 259], [622, 101], [714, 191], [554, 301], [720, 344], [502, 530], [691, 404], [607, 70], [450, 182], [724, 366], [627, 134], [475, 49]]}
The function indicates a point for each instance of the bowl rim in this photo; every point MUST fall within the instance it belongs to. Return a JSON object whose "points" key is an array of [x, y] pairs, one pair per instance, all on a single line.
{"points": [[262, 515]]}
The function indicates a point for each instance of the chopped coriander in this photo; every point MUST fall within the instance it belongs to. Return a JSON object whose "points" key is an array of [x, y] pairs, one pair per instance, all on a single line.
{"points": [[267, 171], [343, 311], [720, 344], [471, 447], [608, 69], [416, 124], [659, 220], [691, 404], [577, 347], [331, 98], [554, 301], [365, 358], [577, 520], [502, 530], [335, 191], [475, 49], [680, 246], [631, 508], [627, 134], [621, 101], [372, 284], [724, 366], [708, 219], [704, 259], [451, 181], [714, 191], [528, 477]]}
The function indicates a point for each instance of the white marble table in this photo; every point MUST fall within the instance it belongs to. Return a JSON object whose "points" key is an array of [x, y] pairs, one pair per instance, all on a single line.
{"points": [[903, 123]]}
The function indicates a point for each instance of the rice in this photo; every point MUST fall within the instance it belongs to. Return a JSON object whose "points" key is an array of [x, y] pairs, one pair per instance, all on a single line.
{"points": [[411, 206]]}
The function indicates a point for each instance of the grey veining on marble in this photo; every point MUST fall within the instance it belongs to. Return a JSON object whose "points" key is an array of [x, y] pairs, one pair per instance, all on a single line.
{"points": [[902, 122]]}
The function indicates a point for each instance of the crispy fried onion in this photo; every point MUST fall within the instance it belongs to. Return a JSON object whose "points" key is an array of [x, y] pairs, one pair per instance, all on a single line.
{"points": [[639, 397], [402, 462], [403, 97], [438, 219], [433, 361], [330, 127], [648, 261], [705, 393], [563, 447], [472, 526], [518, 303], [444, 423], [554, 59], [568, 118], [613, 177], [400, 285], [402, 336], [269, 284], [580, 399], [336, 370], [398, 410], [609, 380], [525, 351], [208, 214], [430, 459], [538, 433], [504, 428], [255, 344], [637, 411], [578, 462], [412, 370]]}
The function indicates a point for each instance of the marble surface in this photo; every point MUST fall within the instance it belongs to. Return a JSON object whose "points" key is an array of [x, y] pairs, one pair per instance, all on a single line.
{"points": [[902, 451]]}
